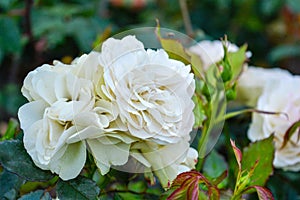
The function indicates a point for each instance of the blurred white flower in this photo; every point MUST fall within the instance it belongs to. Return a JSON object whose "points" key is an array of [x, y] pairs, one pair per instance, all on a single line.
{"points": [[252, 81], [212, 52], [279, 94], [153, 92]]}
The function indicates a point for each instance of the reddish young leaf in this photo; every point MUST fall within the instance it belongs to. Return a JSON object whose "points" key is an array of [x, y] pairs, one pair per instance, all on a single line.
{"points": [[193, 190], [290, 132], [187, 186], [263, 193], [183, 192], [237, 153], [220, 178]]}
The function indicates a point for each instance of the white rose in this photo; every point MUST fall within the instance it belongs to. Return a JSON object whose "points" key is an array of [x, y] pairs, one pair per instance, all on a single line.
{"points": [[252, 81], [279, 96], [153, 92], [56, 95], [212, 52]]}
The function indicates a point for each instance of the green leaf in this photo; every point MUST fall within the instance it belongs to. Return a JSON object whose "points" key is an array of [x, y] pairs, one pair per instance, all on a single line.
{"points": [[175, 50], [128, 195], [77, 189], [39, 194], [137, 186], [9, 185], [14, 158], [11, 129], [263, 152], [214, 166], [236, 60]]}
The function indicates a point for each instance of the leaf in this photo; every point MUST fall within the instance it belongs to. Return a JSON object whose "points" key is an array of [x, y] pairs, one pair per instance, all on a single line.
{"points": [[262, 152], [237, 153], [9, 185], [263, 193], [220, 178], [186, 186], [236, 60], [214, 166], [137, 186], [189, 189], [79, 188], [39, 194], [290, 132], [14, 158], [173, 47], [11, 129]]}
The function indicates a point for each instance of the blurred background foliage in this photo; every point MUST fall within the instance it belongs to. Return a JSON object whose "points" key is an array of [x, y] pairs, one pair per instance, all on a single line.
{"points": [[33, 32]]}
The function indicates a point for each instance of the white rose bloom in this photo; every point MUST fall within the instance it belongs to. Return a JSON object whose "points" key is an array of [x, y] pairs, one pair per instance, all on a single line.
{"points": [[279, 96], [153, 92], [252, 81], [56, 96], [212, 52]]}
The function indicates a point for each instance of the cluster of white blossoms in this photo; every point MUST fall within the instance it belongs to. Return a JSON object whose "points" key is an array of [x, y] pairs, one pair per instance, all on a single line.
{"points": [[123, 104], [274, 90]]}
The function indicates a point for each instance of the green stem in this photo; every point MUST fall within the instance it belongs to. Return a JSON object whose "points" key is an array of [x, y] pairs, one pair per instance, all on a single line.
{"points": [[202, 147]]}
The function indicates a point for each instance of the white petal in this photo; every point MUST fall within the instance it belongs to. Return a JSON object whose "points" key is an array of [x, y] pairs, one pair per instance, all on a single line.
{"points": [[71, 163], [107, 155], [86, 133], [31, 112]]}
